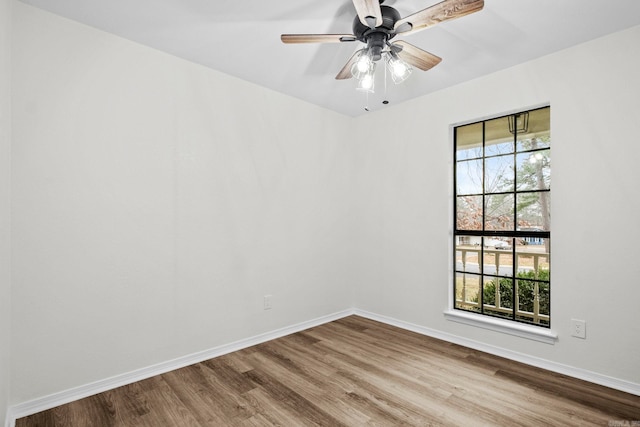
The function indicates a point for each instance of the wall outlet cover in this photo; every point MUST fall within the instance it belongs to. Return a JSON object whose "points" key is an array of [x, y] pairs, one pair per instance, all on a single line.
{"points": [[267, 302], [578, 328]]}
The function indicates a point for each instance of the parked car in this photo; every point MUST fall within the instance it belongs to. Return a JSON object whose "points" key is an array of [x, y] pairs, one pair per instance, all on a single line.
{"points": [[504, 246], [497, 244]]}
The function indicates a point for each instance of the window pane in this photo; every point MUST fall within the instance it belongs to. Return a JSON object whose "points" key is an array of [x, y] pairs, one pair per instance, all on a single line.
{"points": [[534, 170], [498, 139], [469, 213], [469, 177], [499, 174], [537, 133], [497, 296], [499, 212], [533, 211], [469, 141], [534, 143], [533, 301], [533, 258], [498, 256], [468, 253], [467, 290]]}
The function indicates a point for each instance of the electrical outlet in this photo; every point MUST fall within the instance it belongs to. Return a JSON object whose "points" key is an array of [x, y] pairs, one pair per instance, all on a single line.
{"points": [[267, 302], [578, 328]]}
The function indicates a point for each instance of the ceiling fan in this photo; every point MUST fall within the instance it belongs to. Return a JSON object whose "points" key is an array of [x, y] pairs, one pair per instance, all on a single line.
{"points": [[376, 25]]}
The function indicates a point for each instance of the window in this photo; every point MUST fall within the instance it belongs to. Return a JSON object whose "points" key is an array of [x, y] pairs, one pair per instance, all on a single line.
{"points": [[502, 232]]}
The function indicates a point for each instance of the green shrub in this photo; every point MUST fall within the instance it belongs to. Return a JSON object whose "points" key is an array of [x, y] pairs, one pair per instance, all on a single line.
{"points": [[525, 291]]}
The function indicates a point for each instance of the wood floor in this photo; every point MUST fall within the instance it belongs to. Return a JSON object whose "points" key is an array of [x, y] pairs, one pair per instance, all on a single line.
{"points": [[351, 372]]}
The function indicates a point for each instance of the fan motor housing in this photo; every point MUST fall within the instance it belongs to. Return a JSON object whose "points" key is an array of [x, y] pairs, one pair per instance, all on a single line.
{"points": [[389, 18]]}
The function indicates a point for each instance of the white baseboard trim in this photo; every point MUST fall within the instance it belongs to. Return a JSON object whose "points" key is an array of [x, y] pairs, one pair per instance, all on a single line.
{"points": [[56, 399], [593, 377]]}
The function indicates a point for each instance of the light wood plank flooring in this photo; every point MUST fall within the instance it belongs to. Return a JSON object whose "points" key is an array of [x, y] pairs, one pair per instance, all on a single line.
{"points": [[351, 372]]}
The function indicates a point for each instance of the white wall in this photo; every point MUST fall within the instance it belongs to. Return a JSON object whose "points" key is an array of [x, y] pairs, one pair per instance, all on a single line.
{"points": [[404, 197], [156, 202], [5, 206]]}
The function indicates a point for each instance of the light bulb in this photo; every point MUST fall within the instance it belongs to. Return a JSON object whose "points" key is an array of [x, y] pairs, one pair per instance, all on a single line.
{"points": [[367, 82], [399, 69], [363, 64]]}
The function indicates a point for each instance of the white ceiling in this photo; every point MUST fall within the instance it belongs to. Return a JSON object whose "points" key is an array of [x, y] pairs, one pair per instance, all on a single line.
{"points": [[242, 38]]}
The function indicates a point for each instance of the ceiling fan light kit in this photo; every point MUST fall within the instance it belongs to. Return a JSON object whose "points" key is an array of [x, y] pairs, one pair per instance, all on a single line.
{"points": [[376, 25]]}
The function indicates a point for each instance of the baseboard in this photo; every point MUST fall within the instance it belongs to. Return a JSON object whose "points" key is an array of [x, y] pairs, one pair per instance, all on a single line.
{"points": [[51, 401], [593, 377], [57, 399]]}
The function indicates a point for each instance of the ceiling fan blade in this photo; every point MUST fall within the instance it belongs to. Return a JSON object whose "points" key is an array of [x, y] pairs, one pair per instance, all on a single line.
{"points": [[345, 73], [443, 11], [369, 12], [317, 38], [415, 56]]}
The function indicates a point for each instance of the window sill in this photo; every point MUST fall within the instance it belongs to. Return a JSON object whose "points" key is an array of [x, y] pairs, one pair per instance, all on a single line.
{"points": [[504, 326]]}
